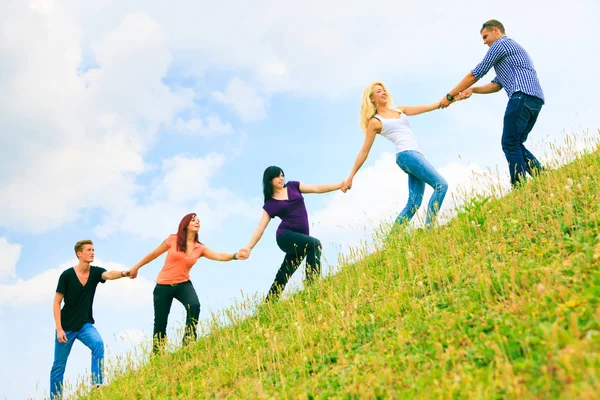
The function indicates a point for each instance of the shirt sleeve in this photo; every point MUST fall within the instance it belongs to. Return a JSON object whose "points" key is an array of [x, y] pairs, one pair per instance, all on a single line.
{"points": [[295, 185], [99, 273], [270, 209], [62, 284], [170, 241], [494, 54]]}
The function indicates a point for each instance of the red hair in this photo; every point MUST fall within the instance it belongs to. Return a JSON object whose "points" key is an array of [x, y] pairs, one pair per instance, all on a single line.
{"points": [[182, 232]]}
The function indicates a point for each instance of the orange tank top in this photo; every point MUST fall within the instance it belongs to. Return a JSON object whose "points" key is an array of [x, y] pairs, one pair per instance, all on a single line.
{"points": [[177, 266]]}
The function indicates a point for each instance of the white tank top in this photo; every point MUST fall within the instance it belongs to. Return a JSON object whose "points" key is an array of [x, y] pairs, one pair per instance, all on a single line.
{"points": [[398, 131]]}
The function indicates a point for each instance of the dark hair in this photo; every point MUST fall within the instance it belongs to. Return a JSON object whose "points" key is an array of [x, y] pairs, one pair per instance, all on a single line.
{"points": [[493, 23], [270, 173], [182, 232]]}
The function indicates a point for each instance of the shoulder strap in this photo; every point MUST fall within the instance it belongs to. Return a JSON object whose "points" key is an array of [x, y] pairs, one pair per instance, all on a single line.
{"points": [[377, 117]]}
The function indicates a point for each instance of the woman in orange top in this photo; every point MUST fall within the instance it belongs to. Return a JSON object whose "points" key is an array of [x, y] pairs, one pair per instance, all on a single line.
{"points": [[173, 281]]}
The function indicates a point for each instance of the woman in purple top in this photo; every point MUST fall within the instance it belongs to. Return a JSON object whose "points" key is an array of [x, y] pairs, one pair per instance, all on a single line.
{"points": [[286, 202]]}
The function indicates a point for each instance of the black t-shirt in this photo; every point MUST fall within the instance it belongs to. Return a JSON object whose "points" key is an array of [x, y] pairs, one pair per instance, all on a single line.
{"points": [[78, 299]]}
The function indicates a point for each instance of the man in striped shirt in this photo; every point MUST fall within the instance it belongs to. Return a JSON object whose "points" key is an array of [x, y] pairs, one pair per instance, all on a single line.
{"points": [[516, 74]]}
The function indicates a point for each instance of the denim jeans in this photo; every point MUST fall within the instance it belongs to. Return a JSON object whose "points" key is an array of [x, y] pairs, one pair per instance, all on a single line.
{"points": [[296, 246], [420, 172], [89, 336], [163, 299], [521, 113]]}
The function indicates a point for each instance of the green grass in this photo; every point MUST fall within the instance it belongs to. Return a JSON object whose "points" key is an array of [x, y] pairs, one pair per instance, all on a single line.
{"points": [[501, 302]]}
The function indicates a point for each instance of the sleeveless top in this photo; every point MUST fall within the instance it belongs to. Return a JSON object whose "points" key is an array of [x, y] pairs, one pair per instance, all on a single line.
{"points": [[398, 131]]}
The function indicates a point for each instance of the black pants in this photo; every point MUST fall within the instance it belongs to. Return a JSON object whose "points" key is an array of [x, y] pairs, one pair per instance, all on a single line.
{"points": [[296, 246], [163, 298]]}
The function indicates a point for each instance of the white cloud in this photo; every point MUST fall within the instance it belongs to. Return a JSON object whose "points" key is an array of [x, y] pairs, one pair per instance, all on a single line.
{"points": [[244, 99], [212, 126], [40, 289], [9, 255], [185, 186], [76, 136], [66, 120], [186, 179]]}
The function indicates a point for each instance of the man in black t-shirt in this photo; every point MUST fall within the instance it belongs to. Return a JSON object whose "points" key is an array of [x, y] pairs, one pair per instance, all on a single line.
{"points": [[77, 287]]}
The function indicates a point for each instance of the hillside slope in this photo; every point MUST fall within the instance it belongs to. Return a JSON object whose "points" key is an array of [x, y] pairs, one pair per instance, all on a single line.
{"points": [[502, 302]]}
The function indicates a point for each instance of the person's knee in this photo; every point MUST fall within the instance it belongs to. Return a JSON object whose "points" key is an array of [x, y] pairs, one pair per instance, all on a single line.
{"points": [[415, 202], [508, 143], [194, 309], [98, 347], [316, 244], [442, 186], [58, 369]]}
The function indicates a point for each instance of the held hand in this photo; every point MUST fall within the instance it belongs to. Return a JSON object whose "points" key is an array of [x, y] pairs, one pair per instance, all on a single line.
{"points": [[348, 183], [242, 254], [344, 186], [132, 273], [61, 336], [126, 273], [444, 102], [465, 94]]}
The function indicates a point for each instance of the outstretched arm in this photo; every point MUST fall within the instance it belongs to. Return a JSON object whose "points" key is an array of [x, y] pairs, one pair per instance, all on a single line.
{"points": [[262, 225], [416, 110], [464, 84], [112, 275], [153, 255], [372, 129], [488, 88], [215, 256], [324, 188]]}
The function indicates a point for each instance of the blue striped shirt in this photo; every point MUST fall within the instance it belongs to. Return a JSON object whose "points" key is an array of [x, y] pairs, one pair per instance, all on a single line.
{"points": [[514, 69]]}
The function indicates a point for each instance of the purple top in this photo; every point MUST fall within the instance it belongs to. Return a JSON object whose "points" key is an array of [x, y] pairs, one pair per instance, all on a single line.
{"points": [[292, 211]]}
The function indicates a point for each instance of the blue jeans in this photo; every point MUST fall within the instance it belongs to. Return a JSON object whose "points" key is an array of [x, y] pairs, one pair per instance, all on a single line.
{"points": [[521, 113], [420, 172], [90, 337]]}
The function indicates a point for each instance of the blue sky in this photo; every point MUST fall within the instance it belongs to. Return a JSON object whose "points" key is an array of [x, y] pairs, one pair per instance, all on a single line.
{"points": [[119, 117]]}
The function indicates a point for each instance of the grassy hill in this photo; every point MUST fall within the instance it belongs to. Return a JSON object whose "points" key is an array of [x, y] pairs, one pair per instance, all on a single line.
{"points": [[502, 302]]}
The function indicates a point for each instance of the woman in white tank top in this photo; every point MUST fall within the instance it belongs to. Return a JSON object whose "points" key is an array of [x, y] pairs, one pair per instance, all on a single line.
{"points": [[376, 116]]}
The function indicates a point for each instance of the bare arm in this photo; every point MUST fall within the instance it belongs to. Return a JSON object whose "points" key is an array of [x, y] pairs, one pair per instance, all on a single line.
{"points": [[372, 129], [112, 275], [488, 88], [262, 225], [216, 256], [464, 84], [324, 188], [153, 255], [416, 110], [60, 333]]}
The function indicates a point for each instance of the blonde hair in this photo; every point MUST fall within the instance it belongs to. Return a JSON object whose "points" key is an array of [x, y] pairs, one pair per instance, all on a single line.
{"points": [[79, 245], [367, 108]]}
